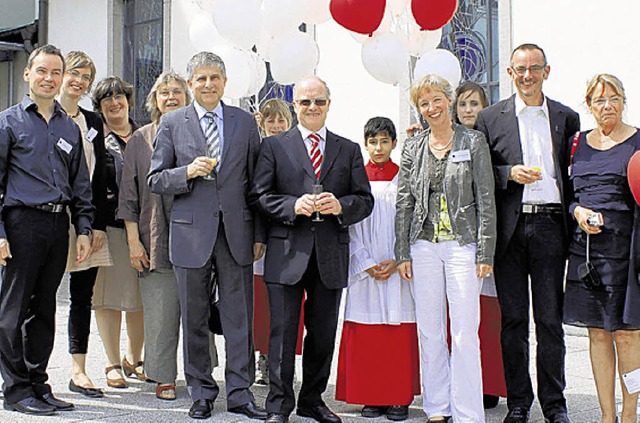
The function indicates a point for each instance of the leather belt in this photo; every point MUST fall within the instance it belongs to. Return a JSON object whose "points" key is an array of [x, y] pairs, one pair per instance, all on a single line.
{"points": [[51, 207], [542, 208]]}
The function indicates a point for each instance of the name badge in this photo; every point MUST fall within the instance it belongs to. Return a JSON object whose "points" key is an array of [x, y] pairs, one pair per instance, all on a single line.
{"points": [[64, 145], [91, 134], [460, 156], [632, 381]]}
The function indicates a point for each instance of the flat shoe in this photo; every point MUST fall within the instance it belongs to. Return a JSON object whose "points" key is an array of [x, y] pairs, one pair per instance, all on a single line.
{"points": [[166, 391], [119, 383], [130, 370], [86, 391]]}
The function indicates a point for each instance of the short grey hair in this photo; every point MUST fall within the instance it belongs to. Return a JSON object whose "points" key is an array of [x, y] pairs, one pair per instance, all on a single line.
{"points": [[164, 79], [205, 59], [312, 78]]}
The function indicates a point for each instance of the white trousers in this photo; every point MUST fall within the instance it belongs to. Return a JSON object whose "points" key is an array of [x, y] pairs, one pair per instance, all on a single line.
{"points": [[451, 382]]}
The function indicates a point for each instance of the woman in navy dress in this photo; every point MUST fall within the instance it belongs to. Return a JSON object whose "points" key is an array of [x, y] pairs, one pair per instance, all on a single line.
{"points": [[601, 192]]}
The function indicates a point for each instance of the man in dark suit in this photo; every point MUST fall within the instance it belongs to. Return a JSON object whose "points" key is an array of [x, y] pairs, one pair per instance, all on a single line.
{"points": [[204, 155], [528, 135], [305, 253]]}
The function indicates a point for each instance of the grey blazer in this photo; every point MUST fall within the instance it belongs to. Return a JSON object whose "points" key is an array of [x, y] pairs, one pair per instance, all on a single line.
{"points": [[198, 203], [468, 189]]}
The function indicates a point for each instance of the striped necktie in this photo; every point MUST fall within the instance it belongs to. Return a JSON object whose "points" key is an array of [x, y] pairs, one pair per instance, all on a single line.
{"points": [[315, 154], [213, 139]]}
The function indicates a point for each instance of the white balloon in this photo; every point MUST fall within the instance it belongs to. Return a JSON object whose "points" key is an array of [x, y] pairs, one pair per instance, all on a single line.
{"points": [[239, 71], [385, 57], [258, 74], [293, 56], [238, 21], [317, 12], [420, 42], [280, 16], [264, 45], [440, 62], [396, 7], [203, 33], [385, 26]]}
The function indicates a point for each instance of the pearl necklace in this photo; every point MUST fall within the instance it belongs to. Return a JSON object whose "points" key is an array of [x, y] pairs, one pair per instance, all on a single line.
{"points": [[444, 147]]}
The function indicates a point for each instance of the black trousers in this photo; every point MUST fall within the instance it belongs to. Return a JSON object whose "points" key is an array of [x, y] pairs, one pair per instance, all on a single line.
{"points": [[537, 251], [80, 291], [321, 320], [39, 245]]}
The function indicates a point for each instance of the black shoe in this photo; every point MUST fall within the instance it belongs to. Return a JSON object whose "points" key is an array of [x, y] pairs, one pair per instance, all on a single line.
{"points": [[60, 405], [490, 401], [557, 417], [517, 415], [373, 411], [87, 392], [398, 412], [320, 413], [201, 409], [250, 410], [277, 418], [30, 405]]}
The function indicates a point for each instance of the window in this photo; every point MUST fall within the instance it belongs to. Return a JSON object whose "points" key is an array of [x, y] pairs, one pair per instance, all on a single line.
{"points": [[142, 50], [472, 35]]}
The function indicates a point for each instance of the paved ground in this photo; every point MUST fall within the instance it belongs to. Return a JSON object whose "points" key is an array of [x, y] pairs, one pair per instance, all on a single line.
{"points": [[138, 402]]}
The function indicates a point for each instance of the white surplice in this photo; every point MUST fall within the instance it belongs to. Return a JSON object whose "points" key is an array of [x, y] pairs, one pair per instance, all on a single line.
{"points": [[370, 301]]}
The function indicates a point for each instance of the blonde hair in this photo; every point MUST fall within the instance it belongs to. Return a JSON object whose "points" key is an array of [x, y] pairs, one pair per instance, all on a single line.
{"points": [[604, 79], [163, 79], [79, 59], [274, 107], [430, 82]]}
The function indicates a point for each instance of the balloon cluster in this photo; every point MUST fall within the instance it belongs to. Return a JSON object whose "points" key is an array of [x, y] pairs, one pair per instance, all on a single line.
{"points": [[248, 33], [391, 31]]}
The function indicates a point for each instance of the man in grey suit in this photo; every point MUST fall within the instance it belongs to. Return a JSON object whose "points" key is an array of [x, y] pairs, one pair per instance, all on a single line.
{"points": [[204, 156]]}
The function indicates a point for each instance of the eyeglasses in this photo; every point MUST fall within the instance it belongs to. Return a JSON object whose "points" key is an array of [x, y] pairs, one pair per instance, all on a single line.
{"points": [[78, 75], [534, 69], [113, 98], [166, 93], [602, 101], [308, 102]]}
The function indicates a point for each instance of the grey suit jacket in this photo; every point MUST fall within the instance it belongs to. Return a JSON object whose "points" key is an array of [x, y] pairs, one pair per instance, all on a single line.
{"points": [[499, 124], [283, 174], [199, 202]]}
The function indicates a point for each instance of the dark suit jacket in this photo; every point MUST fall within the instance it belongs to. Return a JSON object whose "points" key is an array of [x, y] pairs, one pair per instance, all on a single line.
{"points": [[283, 174], [99, 179], [198, 202], [500, 126]]}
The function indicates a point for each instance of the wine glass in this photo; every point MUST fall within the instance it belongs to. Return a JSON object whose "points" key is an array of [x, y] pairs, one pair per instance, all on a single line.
{"points": [[210, 176], [315, 190], [536, 164]]}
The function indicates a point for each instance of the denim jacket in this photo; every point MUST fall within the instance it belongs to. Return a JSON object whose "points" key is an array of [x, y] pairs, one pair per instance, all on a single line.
{"points": [[468, 189]]}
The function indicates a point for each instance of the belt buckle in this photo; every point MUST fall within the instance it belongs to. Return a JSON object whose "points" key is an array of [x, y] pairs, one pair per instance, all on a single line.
{"points": [[528, 208], [57, 208]]}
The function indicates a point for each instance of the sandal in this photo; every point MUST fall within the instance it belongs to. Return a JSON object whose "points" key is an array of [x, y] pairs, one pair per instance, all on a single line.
{"points": [[119, 383], [132, 371], [166, 391]]}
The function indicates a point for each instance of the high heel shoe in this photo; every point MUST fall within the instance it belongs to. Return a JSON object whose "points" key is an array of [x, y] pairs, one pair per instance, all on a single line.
{"points": [[119, 382], [131, 371]]}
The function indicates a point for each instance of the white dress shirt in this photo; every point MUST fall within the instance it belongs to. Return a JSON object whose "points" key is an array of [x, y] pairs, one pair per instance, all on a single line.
{"points": [[322, 133]]}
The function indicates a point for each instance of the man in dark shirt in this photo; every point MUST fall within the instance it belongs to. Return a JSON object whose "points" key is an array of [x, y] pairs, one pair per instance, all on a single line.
{"points": [[42, 172]]}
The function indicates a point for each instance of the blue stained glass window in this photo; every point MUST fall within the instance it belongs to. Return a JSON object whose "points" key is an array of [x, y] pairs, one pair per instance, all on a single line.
{"points": [[142, 50]]}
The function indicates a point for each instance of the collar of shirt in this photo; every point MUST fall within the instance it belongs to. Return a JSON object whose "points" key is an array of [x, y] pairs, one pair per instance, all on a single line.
{"points": [[201, 111], [386, 172], [28, 103], [322, 132], [522, 108]]}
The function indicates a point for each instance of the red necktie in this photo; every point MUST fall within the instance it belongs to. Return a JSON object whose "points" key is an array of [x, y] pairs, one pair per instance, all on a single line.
{"points": [[316, 154]]}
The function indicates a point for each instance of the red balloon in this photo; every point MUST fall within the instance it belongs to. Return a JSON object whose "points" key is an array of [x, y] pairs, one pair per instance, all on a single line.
{"points": [[433, 14], [633, 174], [361, 16]]}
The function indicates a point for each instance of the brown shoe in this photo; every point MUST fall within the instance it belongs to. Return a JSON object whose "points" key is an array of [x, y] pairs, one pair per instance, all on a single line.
{"points": [[166, 391], [119, 382], [132, 371]]}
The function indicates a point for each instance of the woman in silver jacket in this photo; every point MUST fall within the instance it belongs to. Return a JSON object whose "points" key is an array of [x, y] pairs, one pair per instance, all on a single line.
{"points": [[445, 242]]}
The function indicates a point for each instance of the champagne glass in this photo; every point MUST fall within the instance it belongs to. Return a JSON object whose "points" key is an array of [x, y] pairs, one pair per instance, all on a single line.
{"points": [[537, 166], [315, 190], [210, 176]]}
